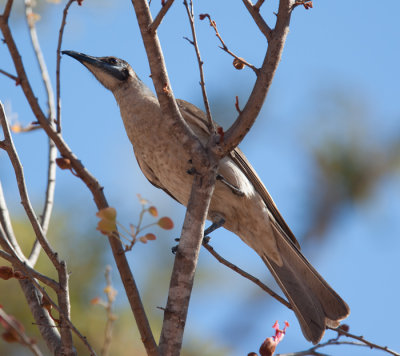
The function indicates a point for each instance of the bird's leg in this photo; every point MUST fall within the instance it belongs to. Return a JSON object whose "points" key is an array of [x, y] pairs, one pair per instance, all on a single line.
{"points": [[235, 190], [214, 226]]}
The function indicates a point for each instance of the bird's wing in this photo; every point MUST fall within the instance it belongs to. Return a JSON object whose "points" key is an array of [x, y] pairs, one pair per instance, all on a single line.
{"points": [[241, 161], [197, 118], [152, 178]]}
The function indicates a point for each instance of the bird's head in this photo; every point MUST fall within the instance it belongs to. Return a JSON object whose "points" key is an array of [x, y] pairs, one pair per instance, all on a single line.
{"points": [[112, 72]]}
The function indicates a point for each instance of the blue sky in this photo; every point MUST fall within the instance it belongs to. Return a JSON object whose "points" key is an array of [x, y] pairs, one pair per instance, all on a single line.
{"points": [[349, 47]]}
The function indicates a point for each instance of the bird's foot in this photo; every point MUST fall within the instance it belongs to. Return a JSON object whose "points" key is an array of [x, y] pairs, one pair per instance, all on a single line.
{"points": [[206, 239], [235, 190]]}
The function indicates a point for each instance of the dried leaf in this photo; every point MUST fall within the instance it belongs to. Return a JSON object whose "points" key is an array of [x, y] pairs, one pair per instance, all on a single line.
{"points": [[165, 223], [153, 211], [238, 64], [95, 301], [149, 236], [108, 213], [106, 227], [63, 163], [6, 272]]}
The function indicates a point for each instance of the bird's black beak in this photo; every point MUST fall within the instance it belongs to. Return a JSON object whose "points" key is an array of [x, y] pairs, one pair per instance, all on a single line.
{"points": [[110, 65]]}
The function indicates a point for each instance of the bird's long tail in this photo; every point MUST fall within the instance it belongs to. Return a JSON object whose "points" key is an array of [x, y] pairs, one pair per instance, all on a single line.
{"points": [[314, 302]]}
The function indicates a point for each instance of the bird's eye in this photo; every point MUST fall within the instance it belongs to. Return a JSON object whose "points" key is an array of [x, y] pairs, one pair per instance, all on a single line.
{"points": [[112, 60]]}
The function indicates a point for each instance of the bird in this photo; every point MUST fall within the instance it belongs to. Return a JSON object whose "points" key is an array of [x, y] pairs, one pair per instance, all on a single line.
{"points": [[240, 199]]}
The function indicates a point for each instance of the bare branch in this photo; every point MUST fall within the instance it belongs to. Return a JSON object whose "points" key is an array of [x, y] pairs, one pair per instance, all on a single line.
{"points": [[157, 21], [58, 89], [246, 275], [51, 171], [105, 349], [13, 77], [23, 338], [335, 341], [22, 188], [69, 324], [60, 266], [95, 188], [265, 76], [50, 335], [185, 263], [7, 10], [258, 19], [29, 271], [370, 344], [224, 47], [5, 223], [211, 124], [258, 4]]}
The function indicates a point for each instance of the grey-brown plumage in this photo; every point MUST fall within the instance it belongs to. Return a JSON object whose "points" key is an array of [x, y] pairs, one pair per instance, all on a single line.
{"points": [[253, 215]]}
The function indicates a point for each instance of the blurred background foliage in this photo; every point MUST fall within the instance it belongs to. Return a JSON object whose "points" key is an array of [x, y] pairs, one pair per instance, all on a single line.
{"points": [[343, 157]]}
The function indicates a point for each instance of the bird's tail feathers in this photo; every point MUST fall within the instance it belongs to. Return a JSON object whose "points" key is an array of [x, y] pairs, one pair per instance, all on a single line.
{"points": [[314, 302]]}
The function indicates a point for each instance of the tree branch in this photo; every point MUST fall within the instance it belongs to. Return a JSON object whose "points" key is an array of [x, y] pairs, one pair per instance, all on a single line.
{"points": [[224, 47], [185, 262], [13, 77], [364, 341], [23, 338], [258, 19], [7, 10], [186, 259], [265, 76], [94, 187], [51, 168], [62, 293], [58, 88], [157, 21], [211, 125], [69, 325], [5, 223], [244, 274]]}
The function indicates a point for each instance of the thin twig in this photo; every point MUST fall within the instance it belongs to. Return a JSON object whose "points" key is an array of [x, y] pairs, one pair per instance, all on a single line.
{"points": [[246, 275], [29, 271], [5, 222], [13, 77], [18, 329], [51, 169], [258, 19], [247, 117], [105, 349], [62, 294], [157, 21], [335, 341], [224, 47], [366, 342], [190, 13], [68, 321], [58, 89], [11, 151]]}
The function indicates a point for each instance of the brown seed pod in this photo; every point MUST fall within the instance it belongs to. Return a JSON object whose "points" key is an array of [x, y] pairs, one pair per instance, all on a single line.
{"points": [[238, 64]]}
